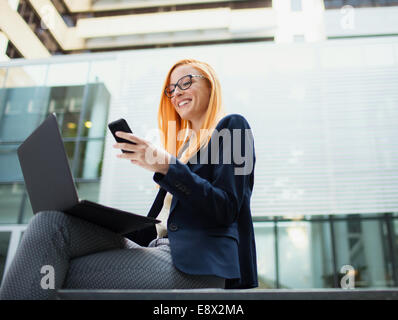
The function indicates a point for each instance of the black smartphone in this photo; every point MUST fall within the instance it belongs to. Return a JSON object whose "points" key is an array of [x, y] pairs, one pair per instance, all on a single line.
{"points": [[120, 125]]}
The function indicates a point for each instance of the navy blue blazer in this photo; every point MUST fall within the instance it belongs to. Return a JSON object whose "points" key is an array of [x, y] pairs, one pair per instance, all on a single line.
{"points": [[210, 227]]}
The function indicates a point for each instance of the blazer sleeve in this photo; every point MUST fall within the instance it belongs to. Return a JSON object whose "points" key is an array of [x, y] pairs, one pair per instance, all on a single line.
{"points": [[231, 177]]}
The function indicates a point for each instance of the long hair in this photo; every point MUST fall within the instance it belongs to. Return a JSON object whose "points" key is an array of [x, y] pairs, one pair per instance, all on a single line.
{"points": [[173, 138]]}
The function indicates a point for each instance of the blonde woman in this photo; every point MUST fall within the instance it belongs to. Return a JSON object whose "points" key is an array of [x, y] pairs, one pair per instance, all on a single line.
{"points": [[206, 237]]}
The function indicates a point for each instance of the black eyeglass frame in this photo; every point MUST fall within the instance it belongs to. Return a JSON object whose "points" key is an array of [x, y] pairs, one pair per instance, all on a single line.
{"points": [[178, 84]]}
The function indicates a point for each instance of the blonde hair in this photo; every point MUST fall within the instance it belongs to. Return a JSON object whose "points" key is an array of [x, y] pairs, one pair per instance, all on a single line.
{"points": [[167, 114]]}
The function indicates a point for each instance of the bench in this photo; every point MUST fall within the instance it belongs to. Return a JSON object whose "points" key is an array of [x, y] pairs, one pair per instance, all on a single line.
{"points": [[221, 294]]}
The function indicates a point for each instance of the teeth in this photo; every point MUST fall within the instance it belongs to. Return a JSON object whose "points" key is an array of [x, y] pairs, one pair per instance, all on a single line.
{"points": [[183, 103]]}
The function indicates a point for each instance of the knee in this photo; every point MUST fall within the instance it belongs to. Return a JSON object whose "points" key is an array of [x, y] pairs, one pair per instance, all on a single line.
{"points": [[46, 223], [48, 217]]}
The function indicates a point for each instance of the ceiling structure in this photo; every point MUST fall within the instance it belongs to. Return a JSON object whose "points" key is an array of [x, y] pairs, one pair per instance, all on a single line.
{"points": [[41, 28]]}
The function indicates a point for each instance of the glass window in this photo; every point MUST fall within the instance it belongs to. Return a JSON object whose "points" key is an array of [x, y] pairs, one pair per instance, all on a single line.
{"points": [[67, 103], [390, 245], [321, 255], [22, 112], [305, 256], [70, 152], [26, 76], [10, 202], [88, 190], [359, 243], [90, 159], [395, 240], [265, 247], [67, 74], [96, 113], [9, 164], [101, 84], [27, 209], [4, 243], [22, 102], [103, 71], [3, 74]]}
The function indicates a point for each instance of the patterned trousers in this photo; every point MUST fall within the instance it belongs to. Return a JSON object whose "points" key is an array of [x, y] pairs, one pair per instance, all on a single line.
{"points": [[83, 255]]}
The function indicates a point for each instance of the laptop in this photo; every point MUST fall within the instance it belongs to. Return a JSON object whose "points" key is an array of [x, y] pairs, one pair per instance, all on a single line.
{"points": [[50, 184]]}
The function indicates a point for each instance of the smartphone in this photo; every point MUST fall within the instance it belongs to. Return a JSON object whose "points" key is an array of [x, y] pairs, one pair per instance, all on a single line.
{"points": [[120, 125]]}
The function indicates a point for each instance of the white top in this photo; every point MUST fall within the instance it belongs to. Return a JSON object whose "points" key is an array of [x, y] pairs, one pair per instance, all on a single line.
{"points": [[163, 216], [161, 227]]}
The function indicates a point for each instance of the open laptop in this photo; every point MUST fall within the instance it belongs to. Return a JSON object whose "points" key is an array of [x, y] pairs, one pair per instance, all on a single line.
{"points": [[50, 184]]}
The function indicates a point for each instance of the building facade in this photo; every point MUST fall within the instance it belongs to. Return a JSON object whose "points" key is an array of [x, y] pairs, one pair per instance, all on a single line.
{"points": [[316, 80]]}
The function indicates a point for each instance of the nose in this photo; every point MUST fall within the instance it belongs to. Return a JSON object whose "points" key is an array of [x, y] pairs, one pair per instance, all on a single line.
{"points": [[177, 91]]}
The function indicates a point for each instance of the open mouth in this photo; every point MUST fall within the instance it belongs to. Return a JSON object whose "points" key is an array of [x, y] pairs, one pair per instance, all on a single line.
{"points": [[184, 103]]}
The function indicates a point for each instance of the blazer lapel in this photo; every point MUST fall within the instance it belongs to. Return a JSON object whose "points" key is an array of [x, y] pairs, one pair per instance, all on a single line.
{"points": [[157, 205]]}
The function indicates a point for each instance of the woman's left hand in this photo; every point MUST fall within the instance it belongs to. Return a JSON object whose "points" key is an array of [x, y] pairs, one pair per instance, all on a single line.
{"points": [[146, 155]]}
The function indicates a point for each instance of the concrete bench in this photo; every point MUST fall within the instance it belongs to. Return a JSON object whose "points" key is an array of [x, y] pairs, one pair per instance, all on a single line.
{"points": [[221, 294]]}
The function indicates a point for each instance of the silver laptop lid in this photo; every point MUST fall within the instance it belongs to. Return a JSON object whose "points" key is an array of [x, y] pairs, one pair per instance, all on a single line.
{"points": [[46, 170]]}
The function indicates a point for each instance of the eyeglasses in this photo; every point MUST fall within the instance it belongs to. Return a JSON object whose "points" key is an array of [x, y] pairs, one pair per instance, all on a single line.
{"points": [[183, 83]]}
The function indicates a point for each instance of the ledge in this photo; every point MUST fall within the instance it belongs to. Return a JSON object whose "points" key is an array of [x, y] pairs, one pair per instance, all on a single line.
{"points": [[221, 294]]}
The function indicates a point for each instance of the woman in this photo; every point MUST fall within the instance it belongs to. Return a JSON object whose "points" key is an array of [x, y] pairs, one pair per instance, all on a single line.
{"points": [[206, 237]]}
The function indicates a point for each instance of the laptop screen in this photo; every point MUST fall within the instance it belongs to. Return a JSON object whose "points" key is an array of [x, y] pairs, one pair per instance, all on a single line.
{"points": [[46, 170]]}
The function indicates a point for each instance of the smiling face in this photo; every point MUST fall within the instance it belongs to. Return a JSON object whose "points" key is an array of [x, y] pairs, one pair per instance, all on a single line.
{"points": [[191, 104]]}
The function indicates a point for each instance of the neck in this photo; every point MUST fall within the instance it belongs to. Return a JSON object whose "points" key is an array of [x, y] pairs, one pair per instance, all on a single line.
{"points": [[197, 124]]}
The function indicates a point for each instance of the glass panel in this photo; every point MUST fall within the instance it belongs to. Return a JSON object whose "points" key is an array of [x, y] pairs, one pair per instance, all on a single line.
{"points": [[90, 159], [10, 202], [70, 152], [22, 102], [27, 211], [22, 111], [395, 240], [67, 82], [3, 74], [305, 259], [359, 243], [388, 247], [9, 164], [67, 104], [88, 190], [265, 247], [104, 72], [96, 114], [321, 255], [26, 76], [4, 243], [67, 74]]}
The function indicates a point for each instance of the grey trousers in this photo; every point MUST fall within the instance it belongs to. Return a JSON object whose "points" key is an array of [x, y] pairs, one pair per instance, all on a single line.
{"points": [[80, 255]]}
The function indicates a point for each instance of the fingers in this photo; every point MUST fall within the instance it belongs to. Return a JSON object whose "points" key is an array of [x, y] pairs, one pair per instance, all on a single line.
{"points": [[126, 146], [138, 142], [129, 136], [130, 156]]}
